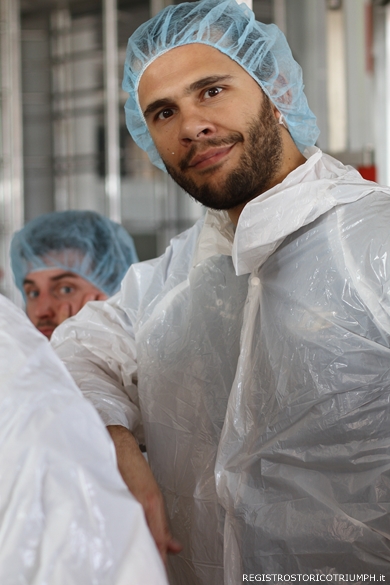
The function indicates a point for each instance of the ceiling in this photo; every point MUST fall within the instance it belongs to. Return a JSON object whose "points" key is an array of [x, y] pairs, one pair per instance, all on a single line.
{"points": [[77, 7]]}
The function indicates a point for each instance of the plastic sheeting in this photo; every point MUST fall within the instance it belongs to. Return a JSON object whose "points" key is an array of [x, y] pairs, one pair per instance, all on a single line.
{"points": [[66, 516], [265, 397]]}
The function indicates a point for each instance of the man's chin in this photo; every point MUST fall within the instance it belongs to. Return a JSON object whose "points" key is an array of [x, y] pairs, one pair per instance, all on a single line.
{"points": [[219, 200], [46, 331], [212, 191]]}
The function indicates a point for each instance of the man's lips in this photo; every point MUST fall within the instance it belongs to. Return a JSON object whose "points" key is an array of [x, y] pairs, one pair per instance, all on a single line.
{"points": [[210, 157], [46, 329]]}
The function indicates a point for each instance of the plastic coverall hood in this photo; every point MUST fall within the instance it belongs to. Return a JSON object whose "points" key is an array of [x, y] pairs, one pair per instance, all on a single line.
{"points": [[263, 379], [66, 517]]}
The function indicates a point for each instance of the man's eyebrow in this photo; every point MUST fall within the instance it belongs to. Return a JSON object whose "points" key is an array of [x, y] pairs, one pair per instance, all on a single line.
{"points": [[64, 275], [205, 81], [54, 278], [28, 281], [195, 86], [156, 105]]}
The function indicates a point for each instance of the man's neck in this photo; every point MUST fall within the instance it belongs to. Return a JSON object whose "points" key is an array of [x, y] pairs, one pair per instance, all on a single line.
{"points": [[235, 213]]}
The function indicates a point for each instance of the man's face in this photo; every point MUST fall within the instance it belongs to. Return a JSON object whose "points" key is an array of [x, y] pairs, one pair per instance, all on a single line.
{"points": [[53, 295], [212, 125]]}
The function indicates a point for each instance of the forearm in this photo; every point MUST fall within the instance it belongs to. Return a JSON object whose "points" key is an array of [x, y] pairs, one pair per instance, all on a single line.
{"points": [[132, 465], [138, 477]]}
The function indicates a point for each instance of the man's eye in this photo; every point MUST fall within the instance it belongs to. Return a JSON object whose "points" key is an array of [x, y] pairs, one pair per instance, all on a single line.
{"points": [[212, 92], [65, 290], [32, 294], [164, 114]]}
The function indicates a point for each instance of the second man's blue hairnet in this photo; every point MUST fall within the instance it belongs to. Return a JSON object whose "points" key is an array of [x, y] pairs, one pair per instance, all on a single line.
{"points": [[262, 50], [84, 242]]}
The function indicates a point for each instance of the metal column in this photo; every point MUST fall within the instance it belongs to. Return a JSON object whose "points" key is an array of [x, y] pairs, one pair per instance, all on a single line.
{"points": [[11, 186], [280, 15], [112, 183], [156, 5], [63, 132], [337, 87]]}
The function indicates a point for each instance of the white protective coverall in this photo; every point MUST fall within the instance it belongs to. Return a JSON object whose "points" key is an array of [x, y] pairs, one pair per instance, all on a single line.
{"points": [[66, 517], [263, 369]]}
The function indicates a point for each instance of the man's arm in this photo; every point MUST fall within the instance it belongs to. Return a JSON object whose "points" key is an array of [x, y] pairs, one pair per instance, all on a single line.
{"points": [[97, 346], [138, 477]]}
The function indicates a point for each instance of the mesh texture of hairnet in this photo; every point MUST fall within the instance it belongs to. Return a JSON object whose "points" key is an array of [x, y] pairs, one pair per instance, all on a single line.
{"points": [[262, 50], [84, 242]]}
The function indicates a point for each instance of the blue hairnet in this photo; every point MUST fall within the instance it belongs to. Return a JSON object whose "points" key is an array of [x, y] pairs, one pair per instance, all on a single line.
{"points": [[261, 49], [83, 242]]}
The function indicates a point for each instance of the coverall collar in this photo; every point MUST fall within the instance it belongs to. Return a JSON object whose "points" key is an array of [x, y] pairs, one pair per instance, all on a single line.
{"points": [[308, 192]]}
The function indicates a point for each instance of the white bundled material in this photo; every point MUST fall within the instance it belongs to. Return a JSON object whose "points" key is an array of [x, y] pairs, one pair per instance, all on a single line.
{"points": [[66, 517]]}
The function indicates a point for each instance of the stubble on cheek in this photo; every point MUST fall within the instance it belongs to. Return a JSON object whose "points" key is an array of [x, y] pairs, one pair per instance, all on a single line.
{"points": [[258, 164]]}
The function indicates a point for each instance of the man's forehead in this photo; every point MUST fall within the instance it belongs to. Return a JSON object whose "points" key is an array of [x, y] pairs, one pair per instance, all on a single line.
{"points": [[185, 64], [49, 274]]}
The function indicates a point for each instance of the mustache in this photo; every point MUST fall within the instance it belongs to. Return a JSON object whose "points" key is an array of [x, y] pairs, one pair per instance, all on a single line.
{"points": [[46, 323], [232, 138]]}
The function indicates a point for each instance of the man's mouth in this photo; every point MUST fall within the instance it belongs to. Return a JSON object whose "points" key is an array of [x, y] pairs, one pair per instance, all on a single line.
{"points": [[46, 328], [210, 157]]}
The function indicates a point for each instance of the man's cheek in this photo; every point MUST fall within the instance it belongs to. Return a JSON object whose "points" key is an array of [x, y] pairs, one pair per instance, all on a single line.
{"points": [[30, 313]]}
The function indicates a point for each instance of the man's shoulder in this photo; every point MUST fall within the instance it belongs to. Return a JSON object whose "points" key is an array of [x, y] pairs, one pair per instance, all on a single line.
{"points": [[146, 280], [367, 215], [180, 250], [360, 226]]}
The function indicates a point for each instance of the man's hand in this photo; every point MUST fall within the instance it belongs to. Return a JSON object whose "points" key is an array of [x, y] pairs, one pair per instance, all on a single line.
{"points": [[64, 312], [69, 309], [97, 296], [138, 477]]}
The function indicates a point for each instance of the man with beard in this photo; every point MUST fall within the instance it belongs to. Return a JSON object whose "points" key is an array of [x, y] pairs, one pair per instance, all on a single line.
{"points": [[256, 350]]}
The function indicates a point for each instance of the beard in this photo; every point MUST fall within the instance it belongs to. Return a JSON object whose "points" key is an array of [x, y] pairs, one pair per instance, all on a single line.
{"points": [[256, 170]]}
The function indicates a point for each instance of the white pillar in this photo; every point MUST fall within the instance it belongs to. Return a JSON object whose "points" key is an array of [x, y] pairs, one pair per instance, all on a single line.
{"points": [[11, 153], [280, 16], [249, 3], [381, 105], [385, 113], [306, 35], [155, 6], [112, 183], [360, 111], [63, 115], [337, 87]]}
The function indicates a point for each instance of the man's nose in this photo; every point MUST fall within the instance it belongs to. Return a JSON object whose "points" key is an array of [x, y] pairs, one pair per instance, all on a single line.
{"points": [[195, 126], [45, 307]]}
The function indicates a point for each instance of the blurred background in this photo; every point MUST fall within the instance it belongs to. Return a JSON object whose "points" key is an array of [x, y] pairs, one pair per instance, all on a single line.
{"points": [[63, 138]]}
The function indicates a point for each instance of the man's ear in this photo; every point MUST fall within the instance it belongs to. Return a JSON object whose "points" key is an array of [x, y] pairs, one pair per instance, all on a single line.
{"points": [[276, 112], [280, 88]]}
